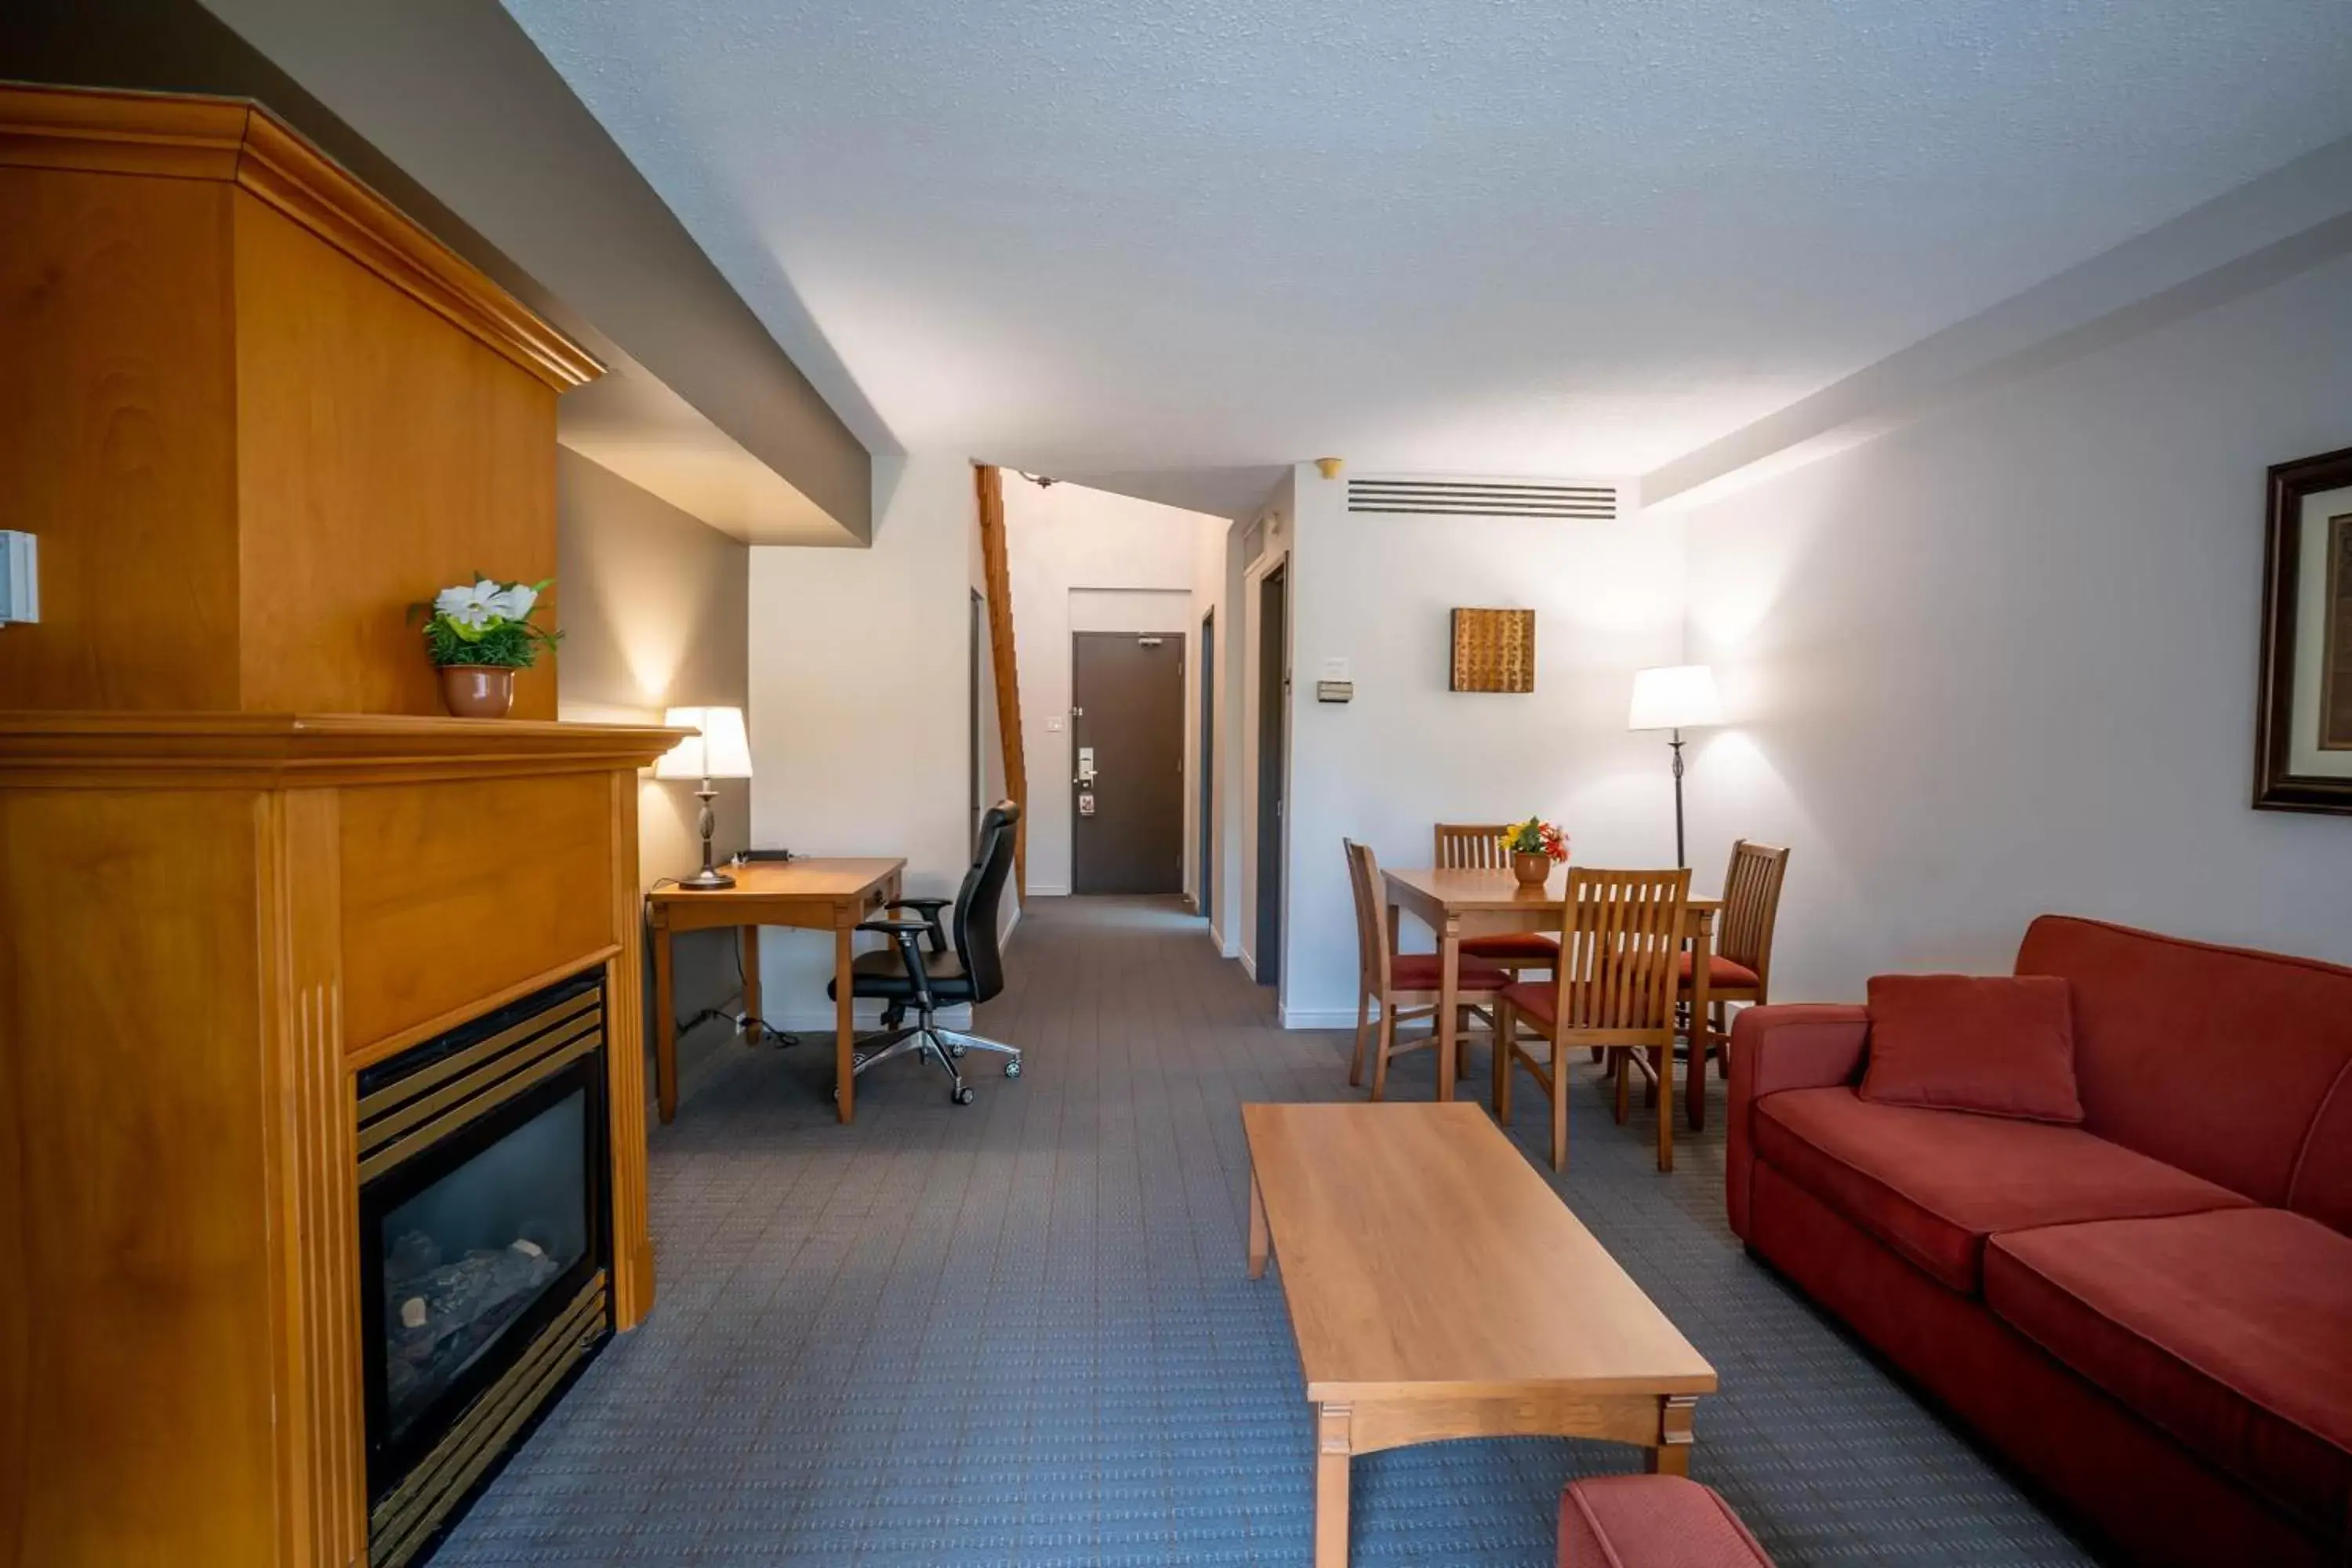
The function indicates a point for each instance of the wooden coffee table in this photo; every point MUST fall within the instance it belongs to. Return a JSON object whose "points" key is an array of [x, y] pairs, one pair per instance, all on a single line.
{"points": [[1438, 1288]]}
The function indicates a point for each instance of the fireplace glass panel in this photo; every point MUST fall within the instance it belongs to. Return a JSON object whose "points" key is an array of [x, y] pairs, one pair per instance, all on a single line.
{"points": [[468, 1254]]}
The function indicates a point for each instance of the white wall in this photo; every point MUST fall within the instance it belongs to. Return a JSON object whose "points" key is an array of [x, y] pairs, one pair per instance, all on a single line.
{"points": [[1407, 754], [859, 705], [1083, 559], [2002, 661]]}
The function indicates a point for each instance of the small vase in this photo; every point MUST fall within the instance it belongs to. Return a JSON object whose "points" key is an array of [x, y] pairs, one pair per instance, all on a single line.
{"points": [[1531, 867], [477, 690]]}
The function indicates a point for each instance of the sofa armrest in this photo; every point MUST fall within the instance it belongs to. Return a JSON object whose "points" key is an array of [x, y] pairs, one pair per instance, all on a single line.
{"points": [[1773, 1048]]}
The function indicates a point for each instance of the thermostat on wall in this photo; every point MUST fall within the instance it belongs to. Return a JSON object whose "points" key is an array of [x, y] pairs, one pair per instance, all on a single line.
{"points": [[20, 578]]}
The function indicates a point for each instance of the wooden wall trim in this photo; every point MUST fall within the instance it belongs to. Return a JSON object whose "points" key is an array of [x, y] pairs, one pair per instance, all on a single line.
{"points": [[245, 751], [240, 142], [989, 481]]}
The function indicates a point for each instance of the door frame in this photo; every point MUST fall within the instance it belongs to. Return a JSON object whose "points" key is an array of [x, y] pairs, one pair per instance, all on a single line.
{"points": [[1205, 780], [1252, 722], [1183, 641]]}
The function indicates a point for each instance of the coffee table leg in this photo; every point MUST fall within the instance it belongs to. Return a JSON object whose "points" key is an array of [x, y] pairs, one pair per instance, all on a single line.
{"points": [[1258, 1235], [1671, 1456], [1333, 1441]]}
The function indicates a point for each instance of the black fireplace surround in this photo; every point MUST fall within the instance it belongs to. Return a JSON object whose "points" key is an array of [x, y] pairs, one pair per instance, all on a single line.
{"points": [[486, 1250]]}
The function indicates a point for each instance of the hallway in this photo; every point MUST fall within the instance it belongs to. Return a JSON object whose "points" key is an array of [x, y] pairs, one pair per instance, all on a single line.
{"points": [[1020, 1332]]}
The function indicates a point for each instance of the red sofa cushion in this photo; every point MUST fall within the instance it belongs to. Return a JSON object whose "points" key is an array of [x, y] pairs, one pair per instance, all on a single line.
{"points": [[2231, 1331], [1933, 1184], [1418, 972], [2000, 1046], [2211, 1059], [1652, 1521], [1521, 946], [1720, 970]]}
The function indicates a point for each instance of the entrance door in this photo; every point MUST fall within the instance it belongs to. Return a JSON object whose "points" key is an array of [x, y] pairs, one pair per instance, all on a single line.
{"points": [[1127, 740], [1204, 837], [1273, 715]]}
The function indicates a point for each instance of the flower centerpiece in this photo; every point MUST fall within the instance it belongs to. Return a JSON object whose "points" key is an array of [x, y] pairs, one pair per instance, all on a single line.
{"points": [[1534, 847], [479, 635]]}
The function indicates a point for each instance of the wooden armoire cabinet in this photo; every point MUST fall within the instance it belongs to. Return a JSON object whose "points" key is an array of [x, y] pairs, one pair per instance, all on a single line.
{"points": [[252, 413]]}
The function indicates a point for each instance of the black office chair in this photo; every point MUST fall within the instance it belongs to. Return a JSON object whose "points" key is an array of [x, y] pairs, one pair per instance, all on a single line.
{"points": [[904, 975]]}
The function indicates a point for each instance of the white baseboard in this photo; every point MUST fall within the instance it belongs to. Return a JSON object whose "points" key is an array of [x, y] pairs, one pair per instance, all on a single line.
{"points": [[864, 1014], [1249, 965], [1049, 890], [1317, 1017]]}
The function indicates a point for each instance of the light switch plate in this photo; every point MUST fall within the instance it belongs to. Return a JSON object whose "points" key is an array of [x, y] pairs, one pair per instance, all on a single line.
{"points": [[1054, 722], [20, 577], [1336, 669]]}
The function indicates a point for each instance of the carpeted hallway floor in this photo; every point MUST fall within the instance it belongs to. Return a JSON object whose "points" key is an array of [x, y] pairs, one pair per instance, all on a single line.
{"points": [[1020, 1332]]}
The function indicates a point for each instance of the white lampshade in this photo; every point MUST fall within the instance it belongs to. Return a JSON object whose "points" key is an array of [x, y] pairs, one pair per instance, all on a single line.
{"points": [[721, 751], [1674, 697]]}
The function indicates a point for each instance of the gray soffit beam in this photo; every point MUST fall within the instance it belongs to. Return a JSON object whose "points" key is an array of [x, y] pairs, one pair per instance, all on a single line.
{"points": [[2290, 220], [450, 111]]}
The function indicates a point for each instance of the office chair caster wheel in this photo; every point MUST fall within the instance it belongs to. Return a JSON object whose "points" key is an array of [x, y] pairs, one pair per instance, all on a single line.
{"points": [[963, 1096], [956, 1048], [1013, 1067]]}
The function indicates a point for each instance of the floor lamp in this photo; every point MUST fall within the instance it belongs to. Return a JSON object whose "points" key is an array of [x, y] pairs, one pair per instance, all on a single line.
{"points": [[1675, 697], [721, 751]]}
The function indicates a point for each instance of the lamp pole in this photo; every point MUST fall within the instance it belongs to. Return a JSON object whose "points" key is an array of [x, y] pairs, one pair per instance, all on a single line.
{"points": [[1680, 858]]}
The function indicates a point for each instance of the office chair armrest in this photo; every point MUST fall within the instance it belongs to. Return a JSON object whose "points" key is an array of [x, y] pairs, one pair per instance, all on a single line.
{"points": [[930, 908], [910, 952]]}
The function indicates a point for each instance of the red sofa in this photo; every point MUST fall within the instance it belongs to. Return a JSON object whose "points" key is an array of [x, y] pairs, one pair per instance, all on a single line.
{"points": [[2150, 1313]]}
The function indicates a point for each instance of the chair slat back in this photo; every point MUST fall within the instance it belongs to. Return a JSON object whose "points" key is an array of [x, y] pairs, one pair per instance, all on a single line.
{"points": [[1751, 905], [1471, 847], [1372, 916], [1621, 933]]}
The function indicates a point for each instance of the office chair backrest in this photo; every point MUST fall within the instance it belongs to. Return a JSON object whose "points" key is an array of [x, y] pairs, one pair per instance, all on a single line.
{"points": [[982, 898]]}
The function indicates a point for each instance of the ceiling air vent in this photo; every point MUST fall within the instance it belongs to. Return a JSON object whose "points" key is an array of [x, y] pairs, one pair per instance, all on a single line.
{"points": [[1483, 497]]}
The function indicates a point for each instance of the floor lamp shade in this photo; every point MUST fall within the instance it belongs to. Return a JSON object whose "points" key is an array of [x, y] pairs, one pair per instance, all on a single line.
{"points": [[721, 751], [1674, 697]]}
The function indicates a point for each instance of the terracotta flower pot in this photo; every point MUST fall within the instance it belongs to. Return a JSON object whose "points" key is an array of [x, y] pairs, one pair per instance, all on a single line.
{"points": [[1531, 867], [477, 690]]}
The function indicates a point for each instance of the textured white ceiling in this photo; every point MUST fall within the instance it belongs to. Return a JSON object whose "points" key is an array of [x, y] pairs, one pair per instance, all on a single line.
{"points": [[1215, 235]]}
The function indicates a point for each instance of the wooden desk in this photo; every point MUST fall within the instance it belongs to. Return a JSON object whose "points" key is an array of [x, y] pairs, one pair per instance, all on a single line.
{"points": [[1458, 903], [813, 895], [1438, 1288]]}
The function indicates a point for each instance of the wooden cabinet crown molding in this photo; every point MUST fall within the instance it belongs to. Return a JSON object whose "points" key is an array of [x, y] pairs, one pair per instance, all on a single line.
{"points": [[238, 141], [278, 749]]}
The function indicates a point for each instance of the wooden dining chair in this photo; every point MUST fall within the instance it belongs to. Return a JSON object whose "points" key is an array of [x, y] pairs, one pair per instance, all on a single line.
{"points": [[1478, 846], [1615, 988], [1741, 969], [1404, 985]]}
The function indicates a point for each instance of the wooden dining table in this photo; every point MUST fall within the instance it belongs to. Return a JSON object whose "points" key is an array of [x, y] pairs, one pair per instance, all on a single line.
{"points": [[1458, 903]]}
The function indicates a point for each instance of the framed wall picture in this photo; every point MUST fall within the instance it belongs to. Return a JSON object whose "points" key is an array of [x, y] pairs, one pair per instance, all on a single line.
{"points": [[1494, 650], [2303, 743]]}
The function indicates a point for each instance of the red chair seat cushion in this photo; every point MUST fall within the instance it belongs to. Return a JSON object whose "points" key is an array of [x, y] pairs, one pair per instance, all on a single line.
{"points": [[1418, 971], [1652, 1521], [1720, 971], [2230, 1331], [2000, 1046], [1537, 1001], [1933, 1184], [1517, 946]]}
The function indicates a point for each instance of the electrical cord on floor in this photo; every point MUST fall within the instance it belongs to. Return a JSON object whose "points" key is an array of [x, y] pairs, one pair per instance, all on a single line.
{"points": [[748, 1027]]}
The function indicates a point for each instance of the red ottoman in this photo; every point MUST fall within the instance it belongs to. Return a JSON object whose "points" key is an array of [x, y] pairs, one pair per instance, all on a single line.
{"points": [[1652, 1521]]}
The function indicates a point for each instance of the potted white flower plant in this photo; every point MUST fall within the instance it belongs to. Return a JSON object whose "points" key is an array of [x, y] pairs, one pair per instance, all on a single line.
{"points": [[479, 635]]}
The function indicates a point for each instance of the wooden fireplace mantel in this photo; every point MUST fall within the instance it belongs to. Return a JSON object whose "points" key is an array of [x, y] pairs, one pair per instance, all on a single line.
{"points": [[214, 923], [254, 413]]}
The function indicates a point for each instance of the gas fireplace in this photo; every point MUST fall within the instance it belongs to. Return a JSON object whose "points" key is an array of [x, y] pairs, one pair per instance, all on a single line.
{"points": [[485, 1249]]}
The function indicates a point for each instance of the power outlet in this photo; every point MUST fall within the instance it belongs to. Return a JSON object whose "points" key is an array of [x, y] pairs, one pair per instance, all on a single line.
{"points": [[20, 577]]}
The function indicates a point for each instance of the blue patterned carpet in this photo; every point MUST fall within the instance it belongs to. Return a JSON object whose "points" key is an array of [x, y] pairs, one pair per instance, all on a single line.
{"points": [[1020, 1332]]}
